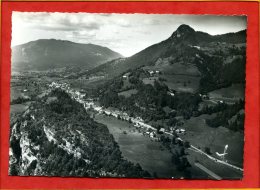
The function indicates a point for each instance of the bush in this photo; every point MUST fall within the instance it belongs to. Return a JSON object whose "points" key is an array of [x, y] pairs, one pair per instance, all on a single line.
{"points": [[207, 150]]}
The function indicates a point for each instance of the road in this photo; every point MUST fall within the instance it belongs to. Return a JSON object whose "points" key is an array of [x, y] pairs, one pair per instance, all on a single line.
{"points": [[214, 159], [209, 172], [193, 148]]}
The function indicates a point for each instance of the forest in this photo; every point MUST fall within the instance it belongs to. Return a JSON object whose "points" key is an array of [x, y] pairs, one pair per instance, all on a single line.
{"points": [[150, 100], [216, 73], [99, 153]]}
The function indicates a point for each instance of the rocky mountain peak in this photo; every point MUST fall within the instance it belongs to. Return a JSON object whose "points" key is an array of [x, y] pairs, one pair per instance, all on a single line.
{"points": [[183, 30]]}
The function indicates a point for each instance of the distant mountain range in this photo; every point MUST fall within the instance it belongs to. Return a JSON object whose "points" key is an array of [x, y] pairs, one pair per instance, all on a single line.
{"points": [[48, 54]]}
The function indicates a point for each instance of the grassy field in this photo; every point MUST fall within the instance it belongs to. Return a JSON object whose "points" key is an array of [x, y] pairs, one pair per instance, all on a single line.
{"points": [[178, 68], [138, 148], [229, 94], [85, 84], [221, 170], [181, 69], [205, 103], [180, 77], [128, 93], [182, 83], [16, 92], [150, 80], [126, 84], [29, 87], [18, 108], [201, 135]]}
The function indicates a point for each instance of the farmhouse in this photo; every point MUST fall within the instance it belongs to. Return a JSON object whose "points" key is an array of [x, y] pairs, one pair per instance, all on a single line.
{"points": [[152, 134], [180, 131], [162, 130], [171, 93]]}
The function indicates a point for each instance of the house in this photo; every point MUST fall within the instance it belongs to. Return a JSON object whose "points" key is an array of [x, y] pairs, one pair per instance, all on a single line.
{"points": [[81, 95], [179, 139], [151, 72], [139, 119], [152, 134], [137, 125], [107, 112], [172, 129], [204, 96], [197, 47], [77, 93], [171, 93], [126, 75], [147, 133], [126, 118], [97, 108], [162, 130], [180, 131], [114, 114], [125, 114]]}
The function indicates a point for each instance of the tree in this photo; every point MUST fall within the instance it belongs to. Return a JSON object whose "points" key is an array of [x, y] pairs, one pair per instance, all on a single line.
{"points": [[17, 151], [13, 170], [187, 144], [172, 122], [207, 150], [176, 159], [182, 151]]}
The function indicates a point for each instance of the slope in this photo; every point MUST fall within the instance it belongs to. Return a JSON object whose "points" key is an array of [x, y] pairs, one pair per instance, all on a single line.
{"points": [[47, 54]]}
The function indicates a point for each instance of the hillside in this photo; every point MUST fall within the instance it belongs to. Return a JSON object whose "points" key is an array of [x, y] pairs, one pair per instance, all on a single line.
{"points": [[52, 54], [165, 112], [56, 137], [191, 53]]}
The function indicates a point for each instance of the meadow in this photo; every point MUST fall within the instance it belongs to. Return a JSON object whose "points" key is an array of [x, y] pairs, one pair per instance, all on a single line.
{"points": [[230, 94], [138, 148], [201, 135]]}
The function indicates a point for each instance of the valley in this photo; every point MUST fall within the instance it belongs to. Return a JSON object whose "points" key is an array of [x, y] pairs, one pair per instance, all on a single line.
{"points": [[165, 112]]}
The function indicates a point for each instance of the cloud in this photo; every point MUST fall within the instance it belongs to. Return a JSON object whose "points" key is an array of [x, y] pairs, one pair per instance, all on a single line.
{"points": [[67, 27], [124, 33], [56, 21]]}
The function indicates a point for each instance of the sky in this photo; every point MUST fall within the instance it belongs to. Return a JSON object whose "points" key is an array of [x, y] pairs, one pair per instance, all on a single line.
{"points": [[126, 34]]}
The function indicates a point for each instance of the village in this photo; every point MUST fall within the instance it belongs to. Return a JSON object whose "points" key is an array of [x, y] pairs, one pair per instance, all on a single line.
{"points": [[138, 122]]}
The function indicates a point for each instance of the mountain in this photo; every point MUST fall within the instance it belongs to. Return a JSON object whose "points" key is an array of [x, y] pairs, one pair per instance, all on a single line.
{"points": [[190, 85], [188, 52], [47, 54], [57, 137]]}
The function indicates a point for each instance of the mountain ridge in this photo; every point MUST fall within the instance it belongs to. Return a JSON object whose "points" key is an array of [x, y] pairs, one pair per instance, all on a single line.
{"points": [[44, 54], [155, 50]]}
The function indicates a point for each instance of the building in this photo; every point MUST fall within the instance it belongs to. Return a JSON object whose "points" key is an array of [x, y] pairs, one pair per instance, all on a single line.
{"points": [[162, 130], [180, 131], [152, 134]]}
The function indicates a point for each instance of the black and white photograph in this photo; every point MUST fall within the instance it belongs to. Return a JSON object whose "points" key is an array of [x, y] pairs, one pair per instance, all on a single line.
{"points": [[109, 95]]}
